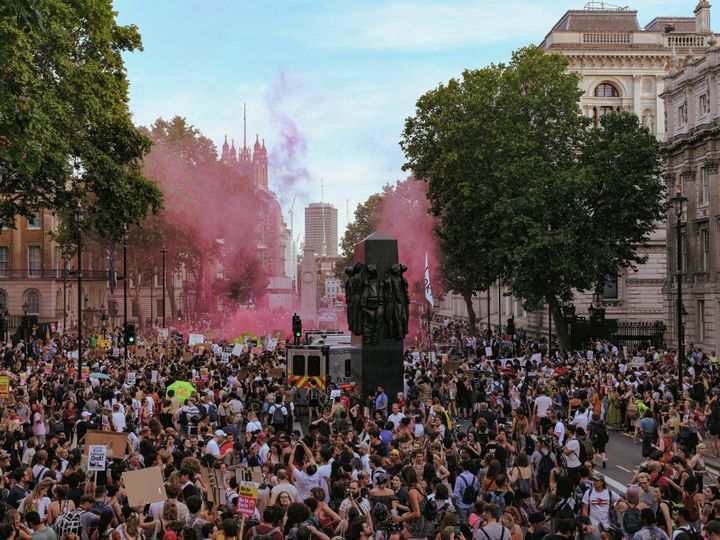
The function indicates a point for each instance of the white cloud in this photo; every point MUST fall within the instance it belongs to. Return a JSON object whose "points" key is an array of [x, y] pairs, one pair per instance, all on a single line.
{"points": [[411, 25]]}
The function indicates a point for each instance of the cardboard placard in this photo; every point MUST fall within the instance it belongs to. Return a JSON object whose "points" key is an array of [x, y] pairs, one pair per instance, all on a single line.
{"points": [[116, 443], [187, 356], [144, 486], [451, 366], [276, 373], [247, 498], [205, 477], [97, 457]]}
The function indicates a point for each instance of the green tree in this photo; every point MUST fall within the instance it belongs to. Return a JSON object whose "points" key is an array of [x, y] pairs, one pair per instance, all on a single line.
{"points": [[66, 134], [526, 188]]}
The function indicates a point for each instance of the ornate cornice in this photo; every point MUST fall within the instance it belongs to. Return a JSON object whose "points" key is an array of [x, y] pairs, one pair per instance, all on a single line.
{"points": [[688, 173], [711, 165]]}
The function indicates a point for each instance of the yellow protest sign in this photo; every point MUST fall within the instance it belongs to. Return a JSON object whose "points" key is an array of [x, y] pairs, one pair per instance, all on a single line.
{"points": [[4, 387]]}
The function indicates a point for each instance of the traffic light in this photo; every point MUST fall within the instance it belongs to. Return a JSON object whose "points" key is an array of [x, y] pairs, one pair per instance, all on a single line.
{"points": [[179, 315], [296, 328], [130, 334]]}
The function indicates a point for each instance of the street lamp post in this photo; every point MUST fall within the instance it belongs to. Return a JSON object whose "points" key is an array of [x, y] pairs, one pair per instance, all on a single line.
{"points": [[679, 201], [79, 218], [125, 282], [164, 252], [489, 329], [26, 333]]}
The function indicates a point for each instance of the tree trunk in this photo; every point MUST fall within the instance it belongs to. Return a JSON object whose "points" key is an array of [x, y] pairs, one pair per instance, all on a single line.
{"points": [[560, 326], [472, 317]]}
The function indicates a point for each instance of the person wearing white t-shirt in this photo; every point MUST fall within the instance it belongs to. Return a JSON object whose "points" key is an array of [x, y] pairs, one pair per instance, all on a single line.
{"points": [[572, 455], [559, 429], [396, 415], [542, 404], [582, 418], [597, 501], [305, 480], [213, 445]]}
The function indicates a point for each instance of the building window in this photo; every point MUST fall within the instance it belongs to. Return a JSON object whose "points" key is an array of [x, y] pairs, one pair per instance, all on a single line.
{"points": [[4, 261], [705, 191], [34, 261], [683, 252], [35, 221], [159, 307], [32, 299], [705, 244], [112, 308], [606, 90], [3, 302], [133, 308], [703, 105], [701, 320], [682, 114], [605, 109], [610, 289]]}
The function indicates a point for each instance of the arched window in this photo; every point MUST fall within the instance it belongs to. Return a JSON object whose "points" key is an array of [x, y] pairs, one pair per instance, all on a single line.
{"points": [[32, 298], [606, 90], [3, 301]]}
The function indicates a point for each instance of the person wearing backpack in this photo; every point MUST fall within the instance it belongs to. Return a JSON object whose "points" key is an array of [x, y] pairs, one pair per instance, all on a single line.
{"points": [[418, 521], [631, 516], [467, 487], [543, 461], [492, 530], [684, 530], [277, 414], [269, 525], [650, 530]]}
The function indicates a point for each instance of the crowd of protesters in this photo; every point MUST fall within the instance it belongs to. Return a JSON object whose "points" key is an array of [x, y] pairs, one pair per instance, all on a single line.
{"points": [[475, 448]]}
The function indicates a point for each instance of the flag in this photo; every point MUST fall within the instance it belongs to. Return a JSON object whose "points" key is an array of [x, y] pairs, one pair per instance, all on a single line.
{"points": [[428, 290], [112, 274]]}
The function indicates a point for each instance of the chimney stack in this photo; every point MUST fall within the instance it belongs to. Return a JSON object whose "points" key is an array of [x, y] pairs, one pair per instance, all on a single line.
{"points": [[702, 17]]}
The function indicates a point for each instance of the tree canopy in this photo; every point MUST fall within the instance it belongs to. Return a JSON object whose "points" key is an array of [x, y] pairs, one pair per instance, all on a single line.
{"points": [[66, 134], [528, 190]]}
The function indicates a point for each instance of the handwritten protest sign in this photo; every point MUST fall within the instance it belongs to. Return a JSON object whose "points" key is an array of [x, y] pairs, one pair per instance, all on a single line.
{"points": [[97, 457], [196, 339], [247, 497], [4, 387]]}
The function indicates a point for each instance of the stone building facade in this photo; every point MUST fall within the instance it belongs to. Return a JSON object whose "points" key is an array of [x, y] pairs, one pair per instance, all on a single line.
{"points": [[622, 67], [692, 155]]}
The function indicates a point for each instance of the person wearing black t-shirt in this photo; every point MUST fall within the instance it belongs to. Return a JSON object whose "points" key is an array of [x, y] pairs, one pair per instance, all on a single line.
{"points": [[494, 448]]}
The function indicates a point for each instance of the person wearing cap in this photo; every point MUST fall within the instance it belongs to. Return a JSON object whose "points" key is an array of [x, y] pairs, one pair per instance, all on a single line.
{"points": [[598, 501], [213, 445], [681, 517]]}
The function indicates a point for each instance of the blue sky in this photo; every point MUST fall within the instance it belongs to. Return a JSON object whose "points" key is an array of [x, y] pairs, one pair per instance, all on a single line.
{"points": [[343, 74]]}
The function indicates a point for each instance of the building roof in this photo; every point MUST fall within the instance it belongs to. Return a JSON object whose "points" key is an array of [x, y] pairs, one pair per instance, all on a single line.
{"points": [[598, 20], [681, 24]]}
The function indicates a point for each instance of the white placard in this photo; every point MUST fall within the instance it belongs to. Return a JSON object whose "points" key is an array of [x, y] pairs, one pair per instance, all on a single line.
{"points": [[334, 394], [196, 339], [225, 357], [153, 376], [131, 378], [73, 354], [488, 352], [164, 332], [237, 350], [97, 457], [116, 352]]}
